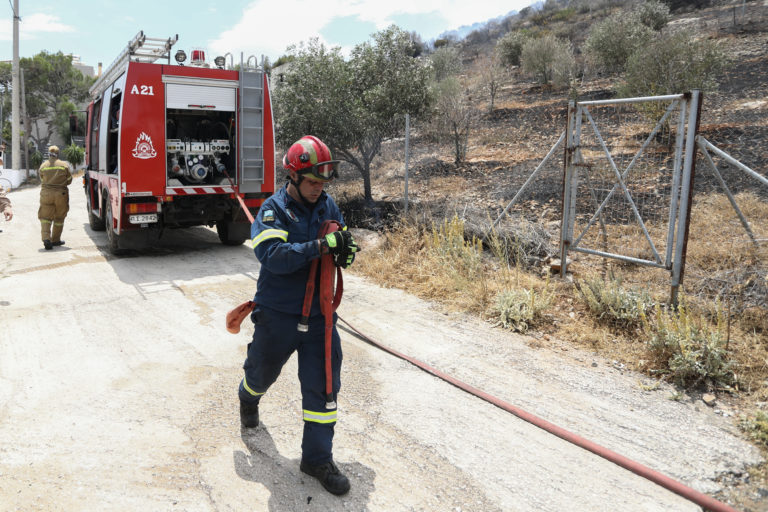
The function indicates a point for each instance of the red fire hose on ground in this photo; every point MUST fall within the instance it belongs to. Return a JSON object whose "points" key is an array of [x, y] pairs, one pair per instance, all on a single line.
{"points": [[329, 301], [693, 495]]}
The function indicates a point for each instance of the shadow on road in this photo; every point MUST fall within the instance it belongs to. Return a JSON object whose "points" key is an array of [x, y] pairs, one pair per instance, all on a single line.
{"points": [[178, 255], [289, 488]]}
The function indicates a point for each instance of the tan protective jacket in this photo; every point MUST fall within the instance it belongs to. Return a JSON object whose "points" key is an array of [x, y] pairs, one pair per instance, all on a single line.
{"points": [[5, 203], [54, 174]]}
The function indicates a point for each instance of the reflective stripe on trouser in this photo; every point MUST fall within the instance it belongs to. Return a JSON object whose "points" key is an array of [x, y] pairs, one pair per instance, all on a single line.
{"points": [[275, 338], [54, 205], [45, 229]]}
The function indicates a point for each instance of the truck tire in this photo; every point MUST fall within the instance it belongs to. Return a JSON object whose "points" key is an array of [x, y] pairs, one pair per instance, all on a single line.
{"points": [[96, 223], [113, 239], [223, 228]]}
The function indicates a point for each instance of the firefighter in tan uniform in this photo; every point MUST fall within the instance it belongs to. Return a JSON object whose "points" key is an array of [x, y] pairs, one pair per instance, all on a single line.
{"points": [[54, 198], [5, 206]]}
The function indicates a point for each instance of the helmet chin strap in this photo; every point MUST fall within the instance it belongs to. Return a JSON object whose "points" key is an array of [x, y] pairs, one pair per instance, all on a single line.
{"points": [[298, 190]]}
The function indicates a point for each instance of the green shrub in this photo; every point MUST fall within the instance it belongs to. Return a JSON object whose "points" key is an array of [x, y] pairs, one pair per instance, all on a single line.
{"points": [[673, 64], [756, 427], [445, 61], [510, 46], [35, 159], [694, 351], [74, 154], [519, 309], [612, 41], [653, 14], [564, 14], [613, 304], [549, 59]]}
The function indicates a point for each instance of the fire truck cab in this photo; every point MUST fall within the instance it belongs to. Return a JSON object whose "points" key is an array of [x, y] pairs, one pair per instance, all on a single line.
{"points": [[172, 145]]}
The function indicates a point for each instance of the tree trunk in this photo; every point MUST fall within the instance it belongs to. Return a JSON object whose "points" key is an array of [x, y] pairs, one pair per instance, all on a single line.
{"points": [[367, 194]]}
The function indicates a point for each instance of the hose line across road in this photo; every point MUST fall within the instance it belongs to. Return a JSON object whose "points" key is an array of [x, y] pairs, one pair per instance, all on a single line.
{"points": [[695, 496]]}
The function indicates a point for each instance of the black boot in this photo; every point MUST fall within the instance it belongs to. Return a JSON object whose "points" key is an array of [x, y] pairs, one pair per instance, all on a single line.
{"points": [[249, 415], [48, 245], [57, 243], [329, 475]]}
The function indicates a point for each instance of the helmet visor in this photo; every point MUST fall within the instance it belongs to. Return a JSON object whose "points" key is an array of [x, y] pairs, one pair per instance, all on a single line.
{"points": [[324, 171]]}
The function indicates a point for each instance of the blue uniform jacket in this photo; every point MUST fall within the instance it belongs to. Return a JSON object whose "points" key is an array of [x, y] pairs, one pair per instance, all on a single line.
{"points": [[284, 236]]}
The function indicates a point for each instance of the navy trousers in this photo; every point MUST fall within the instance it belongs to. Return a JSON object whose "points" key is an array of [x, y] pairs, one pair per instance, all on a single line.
{"points": [[275, 338]]}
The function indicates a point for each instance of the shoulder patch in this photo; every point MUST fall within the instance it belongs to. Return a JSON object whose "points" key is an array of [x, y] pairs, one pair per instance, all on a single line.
{"points": [[268, 216]]}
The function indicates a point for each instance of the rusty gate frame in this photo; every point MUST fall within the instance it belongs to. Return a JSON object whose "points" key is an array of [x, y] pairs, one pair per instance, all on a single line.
{"points": [[680, 197]]}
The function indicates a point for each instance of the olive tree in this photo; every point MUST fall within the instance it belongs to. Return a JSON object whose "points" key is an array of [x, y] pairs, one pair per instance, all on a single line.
{"points": [[445, 62], [548, 58], [673, 64], [354, 105], [491, 75], [653, 14], [510, 47], [611, 41], [454, 115]]}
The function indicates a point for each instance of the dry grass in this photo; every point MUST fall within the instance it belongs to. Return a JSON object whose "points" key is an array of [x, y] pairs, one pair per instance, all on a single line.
{"points": [[719, 241], [437, 263]]}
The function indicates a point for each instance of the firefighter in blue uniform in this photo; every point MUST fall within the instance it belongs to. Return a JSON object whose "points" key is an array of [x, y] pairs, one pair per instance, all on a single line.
{"points": [[286, 240]]}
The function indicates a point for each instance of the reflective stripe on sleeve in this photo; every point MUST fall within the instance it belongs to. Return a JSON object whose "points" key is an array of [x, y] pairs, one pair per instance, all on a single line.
{"points": [[249, 390], [320, 417], [270, 233]]}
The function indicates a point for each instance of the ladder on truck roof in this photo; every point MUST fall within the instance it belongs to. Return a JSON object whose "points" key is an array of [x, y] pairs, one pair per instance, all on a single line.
{"points": [[251, 87], [140, 49]]}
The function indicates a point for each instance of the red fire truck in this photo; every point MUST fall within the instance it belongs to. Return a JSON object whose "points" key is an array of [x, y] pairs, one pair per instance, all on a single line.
{"points": [[171, 145]]}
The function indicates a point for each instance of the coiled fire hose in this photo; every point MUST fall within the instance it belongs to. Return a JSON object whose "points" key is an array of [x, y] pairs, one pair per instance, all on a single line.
{"points": [[330, 301]]}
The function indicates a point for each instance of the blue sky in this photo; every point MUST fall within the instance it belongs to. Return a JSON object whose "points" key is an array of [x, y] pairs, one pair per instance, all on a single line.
{"points": [[97, 30]]}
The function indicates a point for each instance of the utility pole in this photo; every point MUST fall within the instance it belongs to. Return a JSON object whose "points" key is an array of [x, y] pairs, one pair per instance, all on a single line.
{"points": [[15, 121], [27, 128]]}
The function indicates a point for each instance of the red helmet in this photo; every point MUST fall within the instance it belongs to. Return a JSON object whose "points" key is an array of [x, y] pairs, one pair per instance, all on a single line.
{"points": [[310, 155]]}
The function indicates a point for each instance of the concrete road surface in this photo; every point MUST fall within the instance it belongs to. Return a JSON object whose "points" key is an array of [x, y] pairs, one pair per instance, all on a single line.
{"points": [[118, 392]]}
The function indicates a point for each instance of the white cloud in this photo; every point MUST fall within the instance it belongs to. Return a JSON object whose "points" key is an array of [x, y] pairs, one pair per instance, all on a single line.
{"points": [[32, 26], [40, 23], [269, 26]]}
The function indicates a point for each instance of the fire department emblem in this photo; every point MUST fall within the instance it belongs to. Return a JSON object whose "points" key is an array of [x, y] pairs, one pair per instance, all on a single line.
{"points": [[292, 215], [144, 148]]}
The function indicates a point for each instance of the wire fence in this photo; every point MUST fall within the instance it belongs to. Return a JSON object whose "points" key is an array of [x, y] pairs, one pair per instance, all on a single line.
{"points": [[513, 179]]}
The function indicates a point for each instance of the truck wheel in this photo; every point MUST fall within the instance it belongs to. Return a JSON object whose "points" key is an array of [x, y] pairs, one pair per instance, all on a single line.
{"points": [[113, 239], [223, 230], [96, 223]]}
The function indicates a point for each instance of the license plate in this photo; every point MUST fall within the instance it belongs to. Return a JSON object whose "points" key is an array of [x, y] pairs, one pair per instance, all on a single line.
{"points": [[142, 219]]}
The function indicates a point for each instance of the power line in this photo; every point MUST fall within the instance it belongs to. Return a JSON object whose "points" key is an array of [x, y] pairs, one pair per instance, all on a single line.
{"points": [[15, 14]]}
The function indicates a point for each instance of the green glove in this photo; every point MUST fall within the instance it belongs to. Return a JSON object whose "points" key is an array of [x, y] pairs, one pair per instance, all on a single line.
{"points": [[342, 246]]}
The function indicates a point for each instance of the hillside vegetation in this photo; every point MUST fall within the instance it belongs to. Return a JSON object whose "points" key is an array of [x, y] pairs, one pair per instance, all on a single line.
{"points": [[498, 119]]}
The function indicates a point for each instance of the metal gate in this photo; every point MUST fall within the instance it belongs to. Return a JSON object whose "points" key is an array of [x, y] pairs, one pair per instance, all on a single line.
{"points": [[628, 180]]}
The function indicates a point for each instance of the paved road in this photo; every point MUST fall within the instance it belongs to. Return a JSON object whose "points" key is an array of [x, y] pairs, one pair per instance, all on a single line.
{"points": [[117, 392]]}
